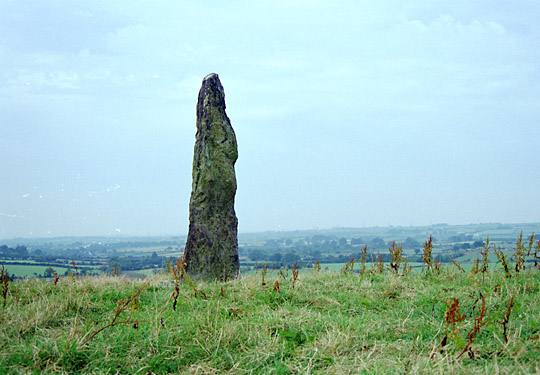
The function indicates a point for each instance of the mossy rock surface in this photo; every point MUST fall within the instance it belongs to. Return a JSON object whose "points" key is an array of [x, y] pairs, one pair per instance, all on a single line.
{"points": [[212, 244]]}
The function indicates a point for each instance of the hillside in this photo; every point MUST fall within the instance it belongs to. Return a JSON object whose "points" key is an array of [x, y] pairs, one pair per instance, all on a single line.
{"points": [[318, 322]]}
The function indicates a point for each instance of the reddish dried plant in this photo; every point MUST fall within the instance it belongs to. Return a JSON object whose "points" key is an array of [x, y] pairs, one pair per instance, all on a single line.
{"points": [[506, 318], [363, 260], [453, 315], [263, 273], [396, 257], [317, 266], [502, 260], [294, 274], [485, 262], [520, 254], [56, 277], [349, 267], [377, 265], [76, 269], [479, 321], [458, 266], [4, 280], [426, 256], [536, 254]]}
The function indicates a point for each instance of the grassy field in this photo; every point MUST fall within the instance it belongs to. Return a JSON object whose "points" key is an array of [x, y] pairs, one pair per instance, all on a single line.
{"points": [[30, 270], [323, 322]]}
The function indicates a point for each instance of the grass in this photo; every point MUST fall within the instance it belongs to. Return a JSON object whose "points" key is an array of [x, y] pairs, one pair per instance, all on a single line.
{"points": [[329, 322]]}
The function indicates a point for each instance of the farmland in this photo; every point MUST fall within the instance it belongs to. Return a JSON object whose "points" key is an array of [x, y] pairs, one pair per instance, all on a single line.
{"points": [[140, 256]]}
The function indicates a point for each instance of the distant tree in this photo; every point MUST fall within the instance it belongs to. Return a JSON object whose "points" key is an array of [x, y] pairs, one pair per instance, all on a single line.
{"points": [[300, 243], [21, 251], [271, 244], [256, 254], [288, 242], [478, 243], [378, 243], [290, 258], [343, 242], [466, 245], [411, 243], [357, 241], [276, 257]]}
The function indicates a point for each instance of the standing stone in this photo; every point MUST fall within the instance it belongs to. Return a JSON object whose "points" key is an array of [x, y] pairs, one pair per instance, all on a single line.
{"points": [[212, 245]]}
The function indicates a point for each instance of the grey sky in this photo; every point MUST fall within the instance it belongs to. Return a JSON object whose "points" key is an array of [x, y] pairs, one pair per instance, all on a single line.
{"points": [[350, 113]]}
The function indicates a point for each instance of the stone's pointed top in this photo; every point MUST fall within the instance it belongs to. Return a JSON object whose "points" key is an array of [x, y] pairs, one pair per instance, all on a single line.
{"points": [[210, 76], [210, 94]]}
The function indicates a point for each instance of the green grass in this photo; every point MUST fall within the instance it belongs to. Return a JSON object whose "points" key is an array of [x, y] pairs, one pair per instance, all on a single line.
{"points": [[328, 323]]}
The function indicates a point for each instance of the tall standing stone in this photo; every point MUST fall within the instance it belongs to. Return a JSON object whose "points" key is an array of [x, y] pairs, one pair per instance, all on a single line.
{"points": [[212, 244]]}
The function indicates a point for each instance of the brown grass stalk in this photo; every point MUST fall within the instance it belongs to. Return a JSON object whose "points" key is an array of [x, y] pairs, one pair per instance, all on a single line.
{"points": [[458, 266]]}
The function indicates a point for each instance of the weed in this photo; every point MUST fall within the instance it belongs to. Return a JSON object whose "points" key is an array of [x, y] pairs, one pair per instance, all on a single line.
{"points": [[396, 257], [122, 305], [536, 253], [437, 265], [263, 273], [458, 266], [475, 267], [426, 256], [348, 268], [407, 269], [506, 319], [316, 266], [452, 317], [519, 254], [479, 322], [294, 337], [501, 259], [377, 266], [76, 269], [294, 274], [531, 244], [4, 280], [485, 262], [115, 272], [56, 277], [276, 286], [363, 260]]}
